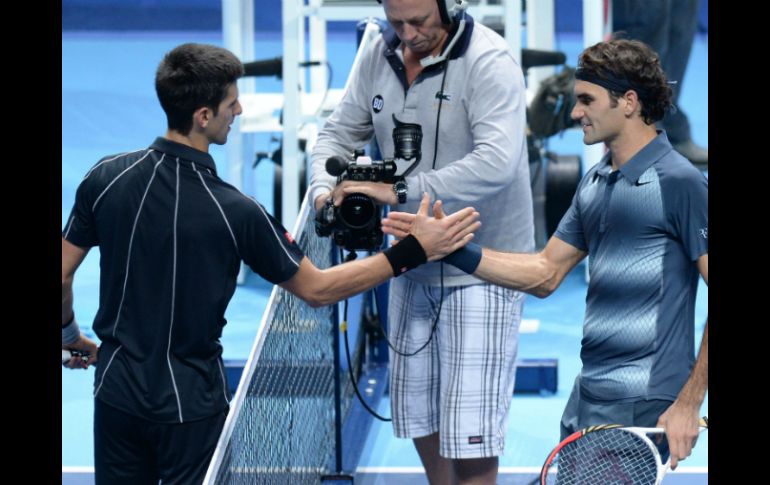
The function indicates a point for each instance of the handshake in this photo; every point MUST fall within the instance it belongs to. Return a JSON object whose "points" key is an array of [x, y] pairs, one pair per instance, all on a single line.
{"points": [[441, 236]]}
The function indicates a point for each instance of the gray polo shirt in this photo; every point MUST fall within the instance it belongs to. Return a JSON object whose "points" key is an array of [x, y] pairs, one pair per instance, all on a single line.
{"points": [[644, 227], [482, 154]]}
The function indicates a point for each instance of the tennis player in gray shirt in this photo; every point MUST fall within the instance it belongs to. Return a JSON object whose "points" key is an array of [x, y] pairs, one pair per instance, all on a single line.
{"points": [[642, 215]]}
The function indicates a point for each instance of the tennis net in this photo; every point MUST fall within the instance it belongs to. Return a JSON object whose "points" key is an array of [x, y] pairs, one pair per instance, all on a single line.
{"points": [[280, 429]]}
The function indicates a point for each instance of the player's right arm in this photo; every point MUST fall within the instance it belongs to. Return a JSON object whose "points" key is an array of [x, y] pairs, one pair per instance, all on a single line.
{"points": [[538, 274], [435, 237]]}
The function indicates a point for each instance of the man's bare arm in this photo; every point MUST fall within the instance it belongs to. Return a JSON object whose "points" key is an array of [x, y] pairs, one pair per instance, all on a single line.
{"points": [[71, 257], [681, 419], [437, 237], [538, 274]]}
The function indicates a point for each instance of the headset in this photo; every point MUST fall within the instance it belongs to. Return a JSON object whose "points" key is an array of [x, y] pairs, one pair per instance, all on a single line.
{"points": [[448, 9]]}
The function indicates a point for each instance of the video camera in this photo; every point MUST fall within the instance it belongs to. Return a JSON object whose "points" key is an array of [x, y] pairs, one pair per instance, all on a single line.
{"points": [[355, 224]]}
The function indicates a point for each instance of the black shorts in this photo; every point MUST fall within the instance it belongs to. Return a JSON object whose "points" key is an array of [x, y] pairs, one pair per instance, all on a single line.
{"points": [[131, 450]]}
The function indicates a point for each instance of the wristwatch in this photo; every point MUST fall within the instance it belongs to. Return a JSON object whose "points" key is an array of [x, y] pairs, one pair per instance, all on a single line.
{"points": [[400, 188]]}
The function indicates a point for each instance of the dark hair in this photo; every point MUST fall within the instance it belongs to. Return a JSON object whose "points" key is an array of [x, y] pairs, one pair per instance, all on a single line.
{"points": [[637, 63], [192, 76]]}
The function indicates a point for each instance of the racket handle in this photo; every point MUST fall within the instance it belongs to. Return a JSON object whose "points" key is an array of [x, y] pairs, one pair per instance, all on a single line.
{"points": [[67, 355]]}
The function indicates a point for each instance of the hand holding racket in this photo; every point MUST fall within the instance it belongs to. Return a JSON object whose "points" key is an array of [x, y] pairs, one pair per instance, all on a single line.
{"points": [[80, 354], [681, 424], [73, 359], [610, 454]]}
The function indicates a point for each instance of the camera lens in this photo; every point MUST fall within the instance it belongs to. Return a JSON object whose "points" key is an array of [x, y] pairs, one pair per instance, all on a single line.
{"points": [[358, 211], [408, 140]]}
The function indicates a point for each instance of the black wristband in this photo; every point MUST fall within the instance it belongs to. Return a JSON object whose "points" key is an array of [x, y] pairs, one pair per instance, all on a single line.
{"points": [[405, 255]]}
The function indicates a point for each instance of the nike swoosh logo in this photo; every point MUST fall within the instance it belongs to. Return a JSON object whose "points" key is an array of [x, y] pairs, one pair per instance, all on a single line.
{"points": [[639, 182]]}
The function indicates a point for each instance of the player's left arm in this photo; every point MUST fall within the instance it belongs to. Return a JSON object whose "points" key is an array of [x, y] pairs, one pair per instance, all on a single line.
{"points": [[71, 257], [681, 419]]}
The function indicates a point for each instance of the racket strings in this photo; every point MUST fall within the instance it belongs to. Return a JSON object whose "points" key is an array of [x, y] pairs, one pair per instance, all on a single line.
{"points": [[608, 457]]}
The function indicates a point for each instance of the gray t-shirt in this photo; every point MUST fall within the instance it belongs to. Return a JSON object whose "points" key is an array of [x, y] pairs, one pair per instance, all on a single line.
{"points": [[482, 153], [644, 226]]}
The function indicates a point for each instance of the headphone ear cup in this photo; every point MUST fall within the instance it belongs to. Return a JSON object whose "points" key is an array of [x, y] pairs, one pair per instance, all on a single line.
{"points": [[445, 10], [444, 7]]}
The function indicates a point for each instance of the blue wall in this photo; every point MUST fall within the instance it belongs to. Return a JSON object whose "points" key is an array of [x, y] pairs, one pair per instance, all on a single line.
{"points": [[569, 16], [207, 15]]}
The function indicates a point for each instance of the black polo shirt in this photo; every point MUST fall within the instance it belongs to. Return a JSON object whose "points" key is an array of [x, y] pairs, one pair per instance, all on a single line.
{"points": [[172, 235]]}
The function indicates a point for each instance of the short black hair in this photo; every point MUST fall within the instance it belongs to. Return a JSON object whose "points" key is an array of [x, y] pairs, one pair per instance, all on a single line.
{"points": [[192, 76]]}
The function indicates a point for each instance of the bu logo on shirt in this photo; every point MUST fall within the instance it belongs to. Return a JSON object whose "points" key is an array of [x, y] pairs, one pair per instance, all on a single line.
{"points": [[377, 103], [704, 233]]}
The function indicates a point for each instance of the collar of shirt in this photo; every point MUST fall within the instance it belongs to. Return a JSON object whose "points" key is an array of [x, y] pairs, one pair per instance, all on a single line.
{"points": [[392, 41], [641, 161], [184, 152]]}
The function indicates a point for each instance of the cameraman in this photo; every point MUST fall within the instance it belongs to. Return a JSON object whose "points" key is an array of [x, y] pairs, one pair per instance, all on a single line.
{"points": [[458, 79]]}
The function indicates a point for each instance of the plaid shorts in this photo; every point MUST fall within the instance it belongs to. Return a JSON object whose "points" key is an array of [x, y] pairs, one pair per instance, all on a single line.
{"points": [[461, 384]]}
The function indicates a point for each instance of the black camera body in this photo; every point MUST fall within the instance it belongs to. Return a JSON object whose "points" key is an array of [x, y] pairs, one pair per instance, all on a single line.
{"points": [[356, 223]]}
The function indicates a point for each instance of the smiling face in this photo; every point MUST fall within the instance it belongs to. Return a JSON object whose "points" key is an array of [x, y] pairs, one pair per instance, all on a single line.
{"points": [[218, 125], [601, 117], [417, 24]]}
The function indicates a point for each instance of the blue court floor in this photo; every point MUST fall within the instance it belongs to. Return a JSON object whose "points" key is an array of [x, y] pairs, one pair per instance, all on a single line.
{"points": [[109, 106]]}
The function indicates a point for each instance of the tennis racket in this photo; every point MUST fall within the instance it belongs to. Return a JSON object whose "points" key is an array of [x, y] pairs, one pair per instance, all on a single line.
{"points": [[610, 454]]}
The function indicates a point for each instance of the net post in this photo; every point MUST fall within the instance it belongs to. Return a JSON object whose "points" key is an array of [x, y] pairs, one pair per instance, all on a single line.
{"points": [[339, 475]]}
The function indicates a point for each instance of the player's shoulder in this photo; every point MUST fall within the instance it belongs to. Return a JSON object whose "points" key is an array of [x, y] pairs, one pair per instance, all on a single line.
{"points": [[676, 173], [115, 163]]}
